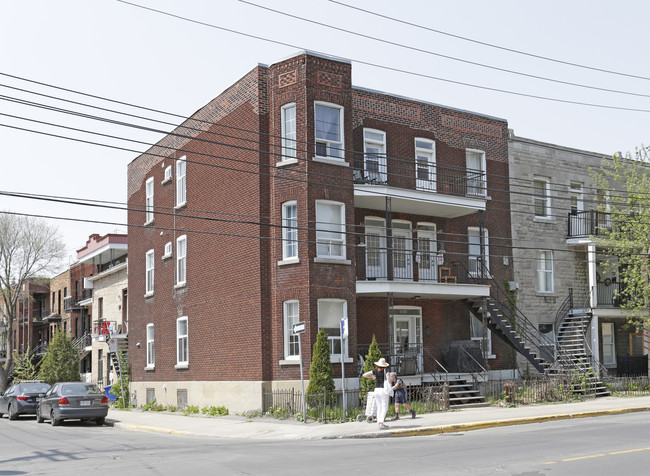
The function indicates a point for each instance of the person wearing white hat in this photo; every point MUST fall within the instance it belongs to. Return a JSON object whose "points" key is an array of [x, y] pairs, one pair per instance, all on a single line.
{"points": [[381, 397]]}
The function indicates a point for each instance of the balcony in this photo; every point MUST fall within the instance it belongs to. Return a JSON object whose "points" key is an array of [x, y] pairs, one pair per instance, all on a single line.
{"points": [[588, 223], [408, 274], [608, 294], [71, 303], [440, 191]]}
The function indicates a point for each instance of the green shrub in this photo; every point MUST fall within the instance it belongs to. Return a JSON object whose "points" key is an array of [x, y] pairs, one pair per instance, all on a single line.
{"points": [[215, 411], [191, 410]]}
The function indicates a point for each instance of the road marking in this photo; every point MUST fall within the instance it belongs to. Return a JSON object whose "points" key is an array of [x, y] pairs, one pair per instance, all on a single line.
{"points": [[584, 457], [599, 455]]}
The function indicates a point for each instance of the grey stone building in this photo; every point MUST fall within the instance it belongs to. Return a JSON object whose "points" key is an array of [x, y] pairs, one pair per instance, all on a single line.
{"points": [[559, 270]]}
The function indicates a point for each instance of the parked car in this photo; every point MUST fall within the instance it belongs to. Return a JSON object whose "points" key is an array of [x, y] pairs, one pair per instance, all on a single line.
{"points": [[21, 398], [73, 401]]}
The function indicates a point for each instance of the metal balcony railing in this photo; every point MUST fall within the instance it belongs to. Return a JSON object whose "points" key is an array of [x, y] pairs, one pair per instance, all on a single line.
{"points": [[588, 223]]}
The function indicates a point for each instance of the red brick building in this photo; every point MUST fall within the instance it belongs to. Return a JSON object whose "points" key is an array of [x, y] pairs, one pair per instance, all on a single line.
{"points": [[294, 196]]}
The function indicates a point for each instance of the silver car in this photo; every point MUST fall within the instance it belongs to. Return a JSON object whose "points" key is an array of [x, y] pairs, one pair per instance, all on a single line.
{"points": [[21, 398], [73, 401]]}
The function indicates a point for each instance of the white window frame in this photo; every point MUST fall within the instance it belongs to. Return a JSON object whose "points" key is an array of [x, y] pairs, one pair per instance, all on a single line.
{"points": [[545, 272], [181, 260], [609, 358], [473, 337], [476, 186], [181, 182], [334, 149], [150, 267], [333, 339], [168, 174], [543, 201], [148, 201], [168, 250], [376, 160], [330, 236], [289, 133], [475, 232], [291, 316], [576, 195], [290, 231], [182, 343], [150, 342], [423, 153]]}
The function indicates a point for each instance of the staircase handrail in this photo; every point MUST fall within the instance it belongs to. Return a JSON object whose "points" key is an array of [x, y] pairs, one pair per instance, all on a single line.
{"points": [[602, 370], [563, 311], [435, 374]]}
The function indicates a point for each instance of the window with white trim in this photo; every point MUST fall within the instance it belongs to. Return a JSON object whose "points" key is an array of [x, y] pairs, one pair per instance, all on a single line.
{"points": [[476, 172], [474, 251], [328, 126], [374, 156], [288, 112], [425, 164], [476, 334], [289, 230], [181, 260], [182, 352], [151, 356], [148, 205], [545, 271], [291, 316], [149, 272], [330, 313], [181, 182], [330, 229], [542, 197]]}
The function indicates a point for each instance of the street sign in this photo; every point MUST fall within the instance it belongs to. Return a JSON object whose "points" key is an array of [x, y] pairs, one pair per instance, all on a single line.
{"points": [[298, 328], [344, 327]]}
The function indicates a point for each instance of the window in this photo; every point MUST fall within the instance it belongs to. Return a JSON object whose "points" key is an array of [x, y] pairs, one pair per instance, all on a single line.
{"points": [[100, 307], [181, 195], [149, 267], [476, 334], [374, 149], [291, 317], [149, 201], [542, 198], [151, 356], [329, 130], [168, 250], [181, 342], [289, 131], [474, 251], [425, 164], [330, 230], [330, 313], [181, 260], [476, 171], [609, 346], [168, 174], [577, 202], [545, 271], [289, 230]]}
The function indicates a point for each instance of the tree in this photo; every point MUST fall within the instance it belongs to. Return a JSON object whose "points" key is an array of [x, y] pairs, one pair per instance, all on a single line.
{"points": [[374, 354], [61, 361], [321, 374], [24, 368], [624, 233], [29, 248]]}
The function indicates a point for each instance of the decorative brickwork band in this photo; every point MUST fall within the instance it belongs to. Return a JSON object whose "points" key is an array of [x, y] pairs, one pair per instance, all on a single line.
{"points": [[288, 78], [467, 125], [330, 79]]}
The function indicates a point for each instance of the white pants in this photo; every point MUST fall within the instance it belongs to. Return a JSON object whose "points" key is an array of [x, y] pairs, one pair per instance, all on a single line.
{"points": [[382, 404]]}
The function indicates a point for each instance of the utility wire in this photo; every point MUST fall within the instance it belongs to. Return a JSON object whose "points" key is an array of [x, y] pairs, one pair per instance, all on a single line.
{"points": [[490, 45]]}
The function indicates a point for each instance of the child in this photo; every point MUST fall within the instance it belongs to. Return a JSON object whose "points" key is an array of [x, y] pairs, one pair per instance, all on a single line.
{"points": [[400, 394]]}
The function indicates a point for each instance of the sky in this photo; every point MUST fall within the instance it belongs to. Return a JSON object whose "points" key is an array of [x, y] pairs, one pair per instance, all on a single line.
{"points": [[113, 50]]}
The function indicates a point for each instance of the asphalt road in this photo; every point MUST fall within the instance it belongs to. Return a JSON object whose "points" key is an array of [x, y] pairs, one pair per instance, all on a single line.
{"points": [[602, 446]]}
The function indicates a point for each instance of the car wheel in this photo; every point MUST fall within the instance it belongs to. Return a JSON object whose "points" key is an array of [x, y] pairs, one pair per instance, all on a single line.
{"points": [[99, 421], [53, 420], [39, 418], [12, 413]]}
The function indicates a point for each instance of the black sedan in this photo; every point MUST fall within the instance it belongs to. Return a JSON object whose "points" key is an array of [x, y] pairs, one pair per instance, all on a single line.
{"points": [[73, 401], [22, 399]]}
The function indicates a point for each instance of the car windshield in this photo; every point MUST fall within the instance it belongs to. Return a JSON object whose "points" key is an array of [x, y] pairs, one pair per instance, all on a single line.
{"points": [[32, 388], [79, 389]]}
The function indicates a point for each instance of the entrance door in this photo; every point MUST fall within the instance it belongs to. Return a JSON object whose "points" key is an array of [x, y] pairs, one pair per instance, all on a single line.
{"points": [[402, 251], [609, 350], [375, 248], [427, 253], [407, 340]]}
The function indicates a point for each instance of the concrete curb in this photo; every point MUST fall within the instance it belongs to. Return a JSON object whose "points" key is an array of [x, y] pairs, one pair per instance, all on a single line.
{"points": [[460, 427]]}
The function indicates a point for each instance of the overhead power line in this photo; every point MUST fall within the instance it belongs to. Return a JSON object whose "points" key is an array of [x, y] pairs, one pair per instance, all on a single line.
{"points": [[390, 68], [491, 45]]}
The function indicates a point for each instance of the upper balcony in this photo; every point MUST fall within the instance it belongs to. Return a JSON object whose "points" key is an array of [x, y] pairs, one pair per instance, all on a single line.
{"points": [[420, 188], [408, 274], [583, 225]]}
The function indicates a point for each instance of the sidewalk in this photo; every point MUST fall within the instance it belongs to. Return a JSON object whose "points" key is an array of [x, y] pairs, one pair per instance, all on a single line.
{"points": [[427, 424]]}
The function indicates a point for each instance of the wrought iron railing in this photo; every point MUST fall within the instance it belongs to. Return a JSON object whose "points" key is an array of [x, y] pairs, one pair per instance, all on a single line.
{"points": [[588, 223]]}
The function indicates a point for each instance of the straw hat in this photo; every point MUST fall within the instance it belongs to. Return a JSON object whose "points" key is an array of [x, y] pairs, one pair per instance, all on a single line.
{"points": [[382, 363]]}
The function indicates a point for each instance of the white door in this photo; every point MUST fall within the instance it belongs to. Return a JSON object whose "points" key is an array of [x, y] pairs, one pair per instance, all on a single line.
{"points": [[407, 342], [425, 164], [609, 349], [426, 255], [375, 249], [402, 253], [475, 161]]}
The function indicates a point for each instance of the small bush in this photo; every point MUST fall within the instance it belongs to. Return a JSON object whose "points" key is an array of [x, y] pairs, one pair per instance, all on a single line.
{"points": [[215, 411], [153, 406], [191, 410]]}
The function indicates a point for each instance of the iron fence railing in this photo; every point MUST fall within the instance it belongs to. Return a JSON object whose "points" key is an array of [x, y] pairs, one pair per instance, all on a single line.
{"points": [[588, 223]]}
